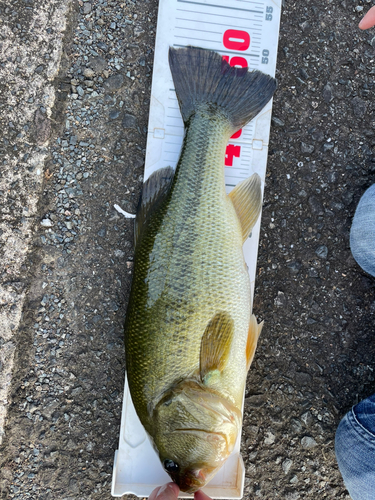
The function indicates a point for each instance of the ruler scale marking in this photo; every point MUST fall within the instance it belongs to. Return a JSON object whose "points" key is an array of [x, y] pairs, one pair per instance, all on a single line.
{"points": [[216, 24], [216, 15], [219, 6]]}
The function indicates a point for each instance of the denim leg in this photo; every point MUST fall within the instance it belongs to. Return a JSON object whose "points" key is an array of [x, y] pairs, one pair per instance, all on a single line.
{"points": [[355, 450], [362, 233]]}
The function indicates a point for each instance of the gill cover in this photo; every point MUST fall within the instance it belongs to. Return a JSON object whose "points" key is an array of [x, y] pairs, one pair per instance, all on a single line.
{"points": [[196, 429]]}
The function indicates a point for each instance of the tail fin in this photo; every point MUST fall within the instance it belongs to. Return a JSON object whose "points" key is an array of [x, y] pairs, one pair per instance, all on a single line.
{"points": [[201, 77]]}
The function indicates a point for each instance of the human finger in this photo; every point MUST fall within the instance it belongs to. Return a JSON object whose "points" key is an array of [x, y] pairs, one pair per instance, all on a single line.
{"points": [[169, 491], [154, 493], [369, 20]]}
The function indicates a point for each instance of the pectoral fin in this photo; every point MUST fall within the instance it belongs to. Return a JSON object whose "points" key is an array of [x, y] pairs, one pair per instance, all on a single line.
{"points": [[247, 200], [155, 190], [252, 339], [216, 343]]}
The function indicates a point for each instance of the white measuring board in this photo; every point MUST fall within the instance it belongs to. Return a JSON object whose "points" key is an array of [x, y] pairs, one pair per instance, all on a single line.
{"points": [[246, 33]]}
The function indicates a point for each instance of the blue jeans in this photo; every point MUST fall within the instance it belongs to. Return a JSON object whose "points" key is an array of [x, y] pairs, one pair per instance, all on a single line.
{"points": [[355, 435], [355, 450], [362, 233]]}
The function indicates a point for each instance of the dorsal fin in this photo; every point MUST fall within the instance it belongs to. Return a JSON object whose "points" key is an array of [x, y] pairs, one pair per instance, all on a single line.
{"points": [[216, 344], [247, 200], [252, 340], [154, 192]]}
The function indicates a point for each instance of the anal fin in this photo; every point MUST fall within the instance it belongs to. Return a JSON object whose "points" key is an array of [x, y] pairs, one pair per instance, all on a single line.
{"points": [[252, 339], [216, 344], [247, 200]]}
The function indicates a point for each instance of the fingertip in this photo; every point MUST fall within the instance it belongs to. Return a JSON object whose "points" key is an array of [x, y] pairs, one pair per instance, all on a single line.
{"points": [[174, 488], [154, 493], [362, 25], [368, 21], [168, 491]]}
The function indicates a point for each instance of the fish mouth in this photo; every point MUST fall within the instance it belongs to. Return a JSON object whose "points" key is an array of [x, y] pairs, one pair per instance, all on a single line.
{"points": [[194, 480], [188, 487]]}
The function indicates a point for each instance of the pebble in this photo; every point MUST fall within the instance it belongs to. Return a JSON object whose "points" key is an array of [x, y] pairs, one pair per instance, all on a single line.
{"points": [[98, 64], [114, 114], [129, 121], [296, 425], [270, 438], [304, 74], [308, 442], [88, 72], [286, 465], [294, 267], [277, 122], [307, 148], [307, 418], [46, 223], [280, 300], [328, 93], [87, 8], [322, 252], [114, 82]]}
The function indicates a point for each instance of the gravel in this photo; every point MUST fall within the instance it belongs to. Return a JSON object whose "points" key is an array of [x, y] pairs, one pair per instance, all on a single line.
{"points": [[28, 65], [63, 423]]}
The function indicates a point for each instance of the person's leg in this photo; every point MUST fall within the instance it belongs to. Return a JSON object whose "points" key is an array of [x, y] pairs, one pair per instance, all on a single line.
{"points": [[355, 435], [355, 450], [362, 233]]}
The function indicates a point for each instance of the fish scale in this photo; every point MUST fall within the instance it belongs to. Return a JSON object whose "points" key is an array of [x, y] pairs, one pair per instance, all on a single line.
{"points": [[186, 272]]}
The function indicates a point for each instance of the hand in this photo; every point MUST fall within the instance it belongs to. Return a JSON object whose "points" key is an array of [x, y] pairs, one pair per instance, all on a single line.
{"points": [[369, 20], [170, 491]]}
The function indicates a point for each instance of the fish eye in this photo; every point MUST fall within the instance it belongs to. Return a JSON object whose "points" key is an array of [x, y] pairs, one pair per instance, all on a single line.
{"points": [[170, 466]]}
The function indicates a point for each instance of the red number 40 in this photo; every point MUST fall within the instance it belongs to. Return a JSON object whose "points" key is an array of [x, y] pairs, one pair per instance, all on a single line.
{"points": [[240, 41]]}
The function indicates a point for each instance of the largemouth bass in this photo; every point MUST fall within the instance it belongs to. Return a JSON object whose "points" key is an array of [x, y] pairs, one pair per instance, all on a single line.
{"points": [[190, 336]]}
